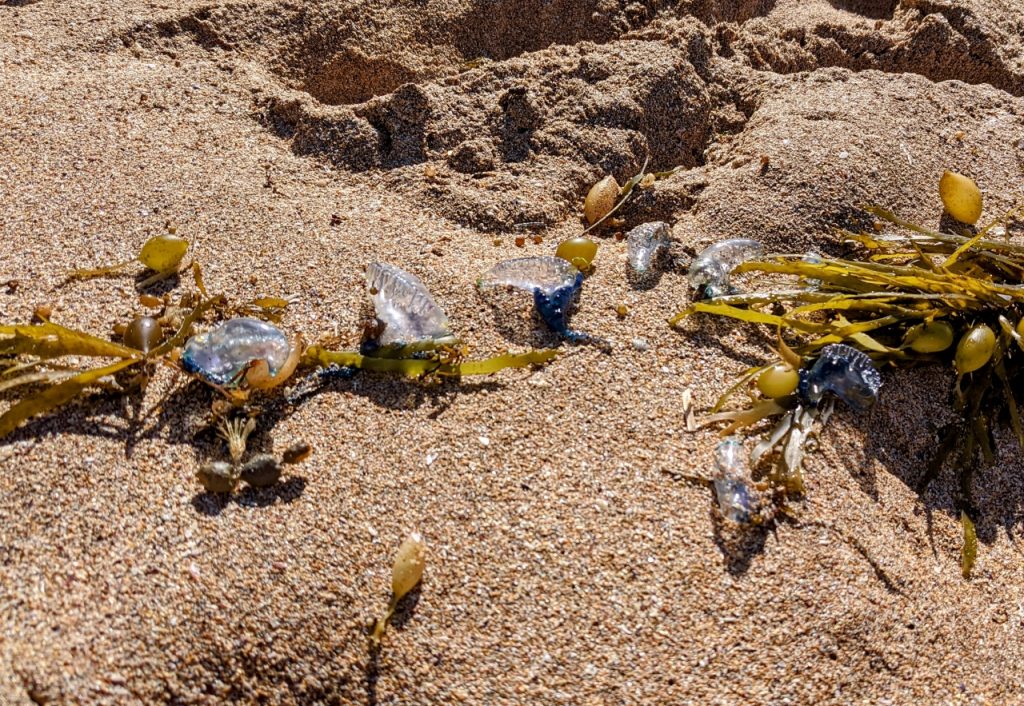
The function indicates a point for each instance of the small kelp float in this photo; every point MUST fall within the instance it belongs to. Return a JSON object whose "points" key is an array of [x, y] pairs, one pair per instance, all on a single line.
{"points": [[163, 254], [710, 271], [646, 245], [553, 281], [242, 352], [580, 251], [412, 336]]}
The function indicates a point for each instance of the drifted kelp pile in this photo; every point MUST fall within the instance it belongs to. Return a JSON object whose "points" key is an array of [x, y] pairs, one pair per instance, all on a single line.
{"points": [[239, 351], [906, 296]]}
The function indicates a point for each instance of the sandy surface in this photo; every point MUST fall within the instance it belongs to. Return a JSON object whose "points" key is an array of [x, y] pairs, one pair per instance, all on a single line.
{"points": [[568, 563]]}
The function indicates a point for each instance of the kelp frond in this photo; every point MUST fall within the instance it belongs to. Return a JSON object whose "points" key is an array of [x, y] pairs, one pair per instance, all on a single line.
{"points": [[421, 367]]}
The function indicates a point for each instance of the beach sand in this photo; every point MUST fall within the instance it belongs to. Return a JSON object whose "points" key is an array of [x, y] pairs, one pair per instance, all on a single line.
{"points": [[568, 560]]}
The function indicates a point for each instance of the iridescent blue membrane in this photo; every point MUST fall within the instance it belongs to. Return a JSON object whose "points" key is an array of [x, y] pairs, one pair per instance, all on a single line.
{"points": [[220, 356], [554, 308], [844, 371]]}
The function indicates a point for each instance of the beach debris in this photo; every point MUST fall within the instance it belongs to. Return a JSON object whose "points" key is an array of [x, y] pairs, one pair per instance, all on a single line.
{"points": [[441, 363], [34, 354], [646, 244], [406, 573], [600, 199], [902, 299], [218, 476], [969, 550], [553, 281], [411, 318], [812, 258], [778, 380], [960, 196], [260, 471], [543, 273], [240, 352], [144, 333], [844, 371], [296, 453], [162, 253], [42, 313], [709, 272], [236, 432], [580, 251], [732, 482], [411, 336], [29, 355], [689, 412]]}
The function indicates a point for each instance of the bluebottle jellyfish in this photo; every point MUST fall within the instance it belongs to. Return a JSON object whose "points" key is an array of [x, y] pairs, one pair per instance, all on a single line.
{"points": [[552, 281], [732, 482], [224, 355], [412, 319], [710, 270], [645, 244], [844, 371]]}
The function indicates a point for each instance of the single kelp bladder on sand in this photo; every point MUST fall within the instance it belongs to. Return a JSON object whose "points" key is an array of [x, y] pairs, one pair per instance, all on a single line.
{"points": [[406, 574], [910, 296], [162, 254], [411, 336]]}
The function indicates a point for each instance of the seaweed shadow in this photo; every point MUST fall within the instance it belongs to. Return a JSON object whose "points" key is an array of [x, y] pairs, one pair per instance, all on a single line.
{"points": [[404, 612], [392, 392], [286, 491], [712, 331]]}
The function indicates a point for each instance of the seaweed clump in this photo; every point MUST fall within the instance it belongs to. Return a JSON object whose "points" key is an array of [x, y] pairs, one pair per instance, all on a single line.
{"points": [[907, 296], [411, 336]]}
